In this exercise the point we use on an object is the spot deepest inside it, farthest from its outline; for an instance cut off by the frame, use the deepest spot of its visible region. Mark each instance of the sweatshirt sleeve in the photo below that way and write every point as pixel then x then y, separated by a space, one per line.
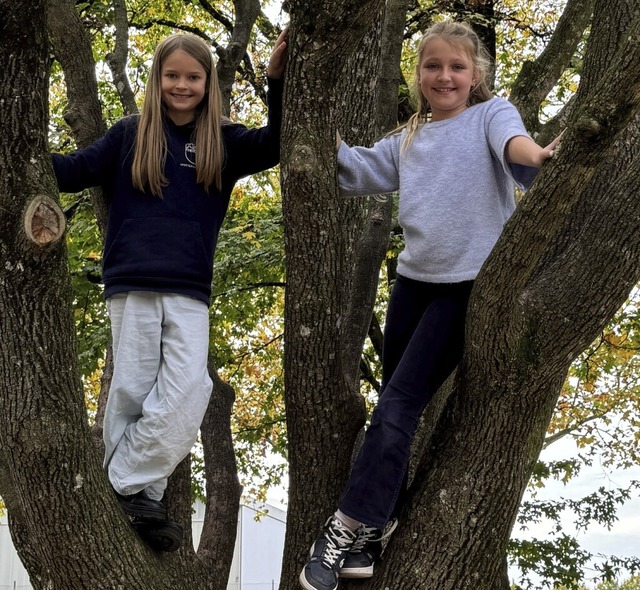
pixel 369 171
pixel 253 150
pixel 504 123
pixel 91 166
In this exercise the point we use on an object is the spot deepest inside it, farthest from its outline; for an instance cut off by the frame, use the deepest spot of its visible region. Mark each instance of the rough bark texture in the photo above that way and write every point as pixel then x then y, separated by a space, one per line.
pixel 537 78
pixel 333 56
pixel 72 48
pixel 50 476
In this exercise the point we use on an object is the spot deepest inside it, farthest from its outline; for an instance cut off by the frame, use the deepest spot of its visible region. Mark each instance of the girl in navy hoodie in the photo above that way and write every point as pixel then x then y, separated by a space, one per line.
pixel 167 177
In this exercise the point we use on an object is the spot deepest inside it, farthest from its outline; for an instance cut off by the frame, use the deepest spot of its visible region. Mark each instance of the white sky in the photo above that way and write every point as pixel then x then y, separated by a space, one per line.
pixel 623 540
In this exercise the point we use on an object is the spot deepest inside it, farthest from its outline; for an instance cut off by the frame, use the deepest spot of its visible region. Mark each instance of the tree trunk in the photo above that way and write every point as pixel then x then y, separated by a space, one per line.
pixel 43 423
pixel 334 48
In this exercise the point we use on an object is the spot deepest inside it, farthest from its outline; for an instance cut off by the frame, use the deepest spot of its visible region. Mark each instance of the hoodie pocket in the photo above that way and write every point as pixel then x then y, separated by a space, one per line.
pixel 160 248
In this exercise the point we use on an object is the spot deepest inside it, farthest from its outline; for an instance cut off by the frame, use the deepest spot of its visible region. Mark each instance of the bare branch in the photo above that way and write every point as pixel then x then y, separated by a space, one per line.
pixel 117 59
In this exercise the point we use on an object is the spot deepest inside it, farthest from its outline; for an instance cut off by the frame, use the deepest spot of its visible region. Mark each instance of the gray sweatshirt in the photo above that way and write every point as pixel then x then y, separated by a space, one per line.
pixel 456 188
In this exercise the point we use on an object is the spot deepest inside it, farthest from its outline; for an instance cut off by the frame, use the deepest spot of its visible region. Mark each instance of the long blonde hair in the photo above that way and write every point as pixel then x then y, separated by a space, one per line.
pixel 150 153
pixel 463 37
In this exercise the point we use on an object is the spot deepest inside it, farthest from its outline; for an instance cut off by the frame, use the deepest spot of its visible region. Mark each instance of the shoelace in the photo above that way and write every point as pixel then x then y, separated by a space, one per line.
pixel 369 533
pixel 339 538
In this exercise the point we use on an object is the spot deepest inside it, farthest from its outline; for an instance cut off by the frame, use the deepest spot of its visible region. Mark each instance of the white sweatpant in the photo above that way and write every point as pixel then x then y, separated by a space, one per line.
pixel 160 387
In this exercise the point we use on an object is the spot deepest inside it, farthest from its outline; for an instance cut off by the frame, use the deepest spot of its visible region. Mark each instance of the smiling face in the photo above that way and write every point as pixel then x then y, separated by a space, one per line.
pixel 445 76
pixel 183 86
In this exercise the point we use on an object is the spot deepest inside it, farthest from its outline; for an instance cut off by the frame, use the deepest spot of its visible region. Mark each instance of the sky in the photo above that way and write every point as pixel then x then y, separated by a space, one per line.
pixel 623 539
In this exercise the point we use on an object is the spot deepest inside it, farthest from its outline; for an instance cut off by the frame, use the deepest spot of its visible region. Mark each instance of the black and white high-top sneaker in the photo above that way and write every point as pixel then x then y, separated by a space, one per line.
pixel 327 556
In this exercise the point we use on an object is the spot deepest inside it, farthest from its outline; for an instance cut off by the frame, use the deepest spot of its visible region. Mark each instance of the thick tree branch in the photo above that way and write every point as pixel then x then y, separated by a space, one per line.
pixel 375 335
pixel 222 485
pixel 373 242
pixel 72 48
pixel 117 60
pixel 231 57
pixel 613 247
pixel 218 15
pixel 537 78
pixel 608 31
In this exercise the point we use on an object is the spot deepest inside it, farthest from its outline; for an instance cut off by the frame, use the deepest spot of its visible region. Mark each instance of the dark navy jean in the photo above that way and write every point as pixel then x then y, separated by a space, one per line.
pixel 423 343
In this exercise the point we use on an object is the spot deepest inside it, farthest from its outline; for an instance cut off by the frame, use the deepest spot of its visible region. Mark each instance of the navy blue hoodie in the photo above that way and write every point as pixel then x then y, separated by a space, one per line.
pixel 167 244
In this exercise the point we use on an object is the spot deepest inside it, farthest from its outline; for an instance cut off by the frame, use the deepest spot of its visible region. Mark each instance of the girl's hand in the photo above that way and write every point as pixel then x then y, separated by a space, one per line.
pixel 547 152
pixel 279 56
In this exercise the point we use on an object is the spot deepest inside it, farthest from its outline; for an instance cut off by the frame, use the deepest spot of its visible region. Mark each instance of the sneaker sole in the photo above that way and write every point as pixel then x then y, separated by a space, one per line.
pixel 356 572
pixel 307 585
pixel 165 536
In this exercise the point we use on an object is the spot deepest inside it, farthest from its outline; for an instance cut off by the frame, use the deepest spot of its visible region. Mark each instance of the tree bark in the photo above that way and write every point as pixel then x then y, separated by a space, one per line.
pixel 543 295
pixel 72 48
pixel 247 12
pixel 117 59
pixel 43 423
pixel 63 513
pixel 372 245
pixel 222 485
pixel 324 409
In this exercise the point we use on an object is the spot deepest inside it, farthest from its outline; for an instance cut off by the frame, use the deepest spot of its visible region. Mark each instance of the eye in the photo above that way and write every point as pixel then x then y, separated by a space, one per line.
pixel 430 66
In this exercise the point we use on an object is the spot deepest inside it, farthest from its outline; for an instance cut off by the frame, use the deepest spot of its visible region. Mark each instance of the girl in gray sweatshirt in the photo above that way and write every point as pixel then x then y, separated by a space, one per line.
pixel 455 166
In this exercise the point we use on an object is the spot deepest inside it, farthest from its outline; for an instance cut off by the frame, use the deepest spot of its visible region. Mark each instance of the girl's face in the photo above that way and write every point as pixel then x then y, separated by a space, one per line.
pixel 183 86
pixel 446 75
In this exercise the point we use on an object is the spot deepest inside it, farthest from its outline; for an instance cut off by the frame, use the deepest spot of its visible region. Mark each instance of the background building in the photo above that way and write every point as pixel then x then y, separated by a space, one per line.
pixel 257 557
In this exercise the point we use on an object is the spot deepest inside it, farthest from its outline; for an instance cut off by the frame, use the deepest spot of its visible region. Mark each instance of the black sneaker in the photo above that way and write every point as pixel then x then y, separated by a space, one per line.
pixel 159 535
pixel 365 551
pixel 327 556
pixel 139 506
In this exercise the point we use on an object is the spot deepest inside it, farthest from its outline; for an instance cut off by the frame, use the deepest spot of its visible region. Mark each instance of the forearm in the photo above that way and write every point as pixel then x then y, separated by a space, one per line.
pixel 523 150
pixel 368 171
